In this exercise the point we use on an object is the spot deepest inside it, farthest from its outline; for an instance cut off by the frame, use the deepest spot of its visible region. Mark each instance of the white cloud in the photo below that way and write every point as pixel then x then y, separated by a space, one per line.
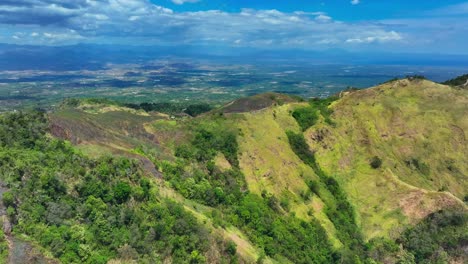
pixel 141 22
pixel 355 2
pixel 181 2
pixel 376 37
pixel 323 18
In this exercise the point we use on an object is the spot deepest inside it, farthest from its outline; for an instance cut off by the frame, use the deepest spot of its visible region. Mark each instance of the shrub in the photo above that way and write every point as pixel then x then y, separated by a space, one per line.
pixel 313 186
pixel 8 199
pixel 231 248
pixel 376 162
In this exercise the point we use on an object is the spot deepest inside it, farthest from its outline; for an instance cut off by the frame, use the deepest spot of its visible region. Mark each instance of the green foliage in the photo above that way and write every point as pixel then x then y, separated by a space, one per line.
pixel 231 248
pixel 8 199
pixel 173 108
pixel 305 117
pixel 323 106
pixel 169 108
pixel 84 210
pixel 3 247
pixel 22 129
pixel 300 147
pixel 308 116
pixel 439 238
pixel 122 192
pixel 207 141
pixel 416 164
pixel 211 187
pixel 440 234
pixel 458 81
pixel 376 162
pixel 383 250
pixel 263 220
pixel 313 186
pixel 198 109
pixel 281 235
pixel 339 210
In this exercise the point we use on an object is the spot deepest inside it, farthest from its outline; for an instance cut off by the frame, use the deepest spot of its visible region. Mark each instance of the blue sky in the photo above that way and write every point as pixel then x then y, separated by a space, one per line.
pixel 396 26
pixel 364 9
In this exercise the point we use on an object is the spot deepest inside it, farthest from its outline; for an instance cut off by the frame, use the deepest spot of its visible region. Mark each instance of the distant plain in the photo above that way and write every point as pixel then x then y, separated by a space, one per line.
pixel 182 80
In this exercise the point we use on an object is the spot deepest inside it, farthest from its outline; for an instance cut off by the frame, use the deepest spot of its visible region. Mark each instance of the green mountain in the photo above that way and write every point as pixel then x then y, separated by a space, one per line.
pixel 369 176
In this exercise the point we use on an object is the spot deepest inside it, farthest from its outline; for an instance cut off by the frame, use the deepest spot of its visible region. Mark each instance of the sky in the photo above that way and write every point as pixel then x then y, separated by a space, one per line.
pixel 397 26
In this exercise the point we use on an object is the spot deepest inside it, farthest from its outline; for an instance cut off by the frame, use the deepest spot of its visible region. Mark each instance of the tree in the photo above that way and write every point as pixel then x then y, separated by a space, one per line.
pixel 122 192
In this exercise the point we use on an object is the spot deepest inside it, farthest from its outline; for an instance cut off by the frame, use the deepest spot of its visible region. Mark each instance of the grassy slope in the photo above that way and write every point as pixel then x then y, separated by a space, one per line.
pixel 270 165
pixel 397 122
pixel 256 102
pixel 101 130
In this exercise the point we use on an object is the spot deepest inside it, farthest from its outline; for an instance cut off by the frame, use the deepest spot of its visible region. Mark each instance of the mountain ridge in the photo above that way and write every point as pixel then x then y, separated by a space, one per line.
pixel 361 171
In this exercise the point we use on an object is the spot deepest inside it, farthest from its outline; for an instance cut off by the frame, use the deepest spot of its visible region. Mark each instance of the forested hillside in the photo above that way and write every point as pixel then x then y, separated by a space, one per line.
pixel 370 176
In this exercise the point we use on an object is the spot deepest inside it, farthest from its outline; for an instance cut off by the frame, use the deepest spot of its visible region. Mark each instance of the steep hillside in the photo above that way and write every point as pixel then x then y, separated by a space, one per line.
pixel 359 177
pixel 270 165
pixel 417 130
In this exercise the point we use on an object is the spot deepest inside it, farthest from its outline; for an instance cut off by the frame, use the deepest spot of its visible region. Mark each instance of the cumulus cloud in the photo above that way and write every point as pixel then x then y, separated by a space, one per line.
pixel 142 22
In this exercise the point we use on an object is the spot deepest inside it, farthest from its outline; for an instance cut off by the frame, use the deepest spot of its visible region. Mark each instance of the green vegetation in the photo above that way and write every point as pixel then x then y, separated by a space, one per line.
pixel 162 107
pixel 376 162
pixel 439 238
pixel 173 108
pixel 417 165
pixel 440 235
pixel 309 115
pixel 90 211
pixel 266 178
pixel 3 247
pixel 195 176
pixel 305 117
pixel 458 81
pixel 209 186
pixel 205 182
pixel 281 235
pixel 198 109
pixel 207 141
pixel 339 210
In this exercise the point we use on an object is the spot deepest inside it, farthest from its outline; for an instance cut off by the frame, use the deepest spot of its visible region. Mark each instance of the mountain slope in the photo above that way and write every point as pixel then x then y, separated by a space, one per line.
pixel 418 130
pixel 329 180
